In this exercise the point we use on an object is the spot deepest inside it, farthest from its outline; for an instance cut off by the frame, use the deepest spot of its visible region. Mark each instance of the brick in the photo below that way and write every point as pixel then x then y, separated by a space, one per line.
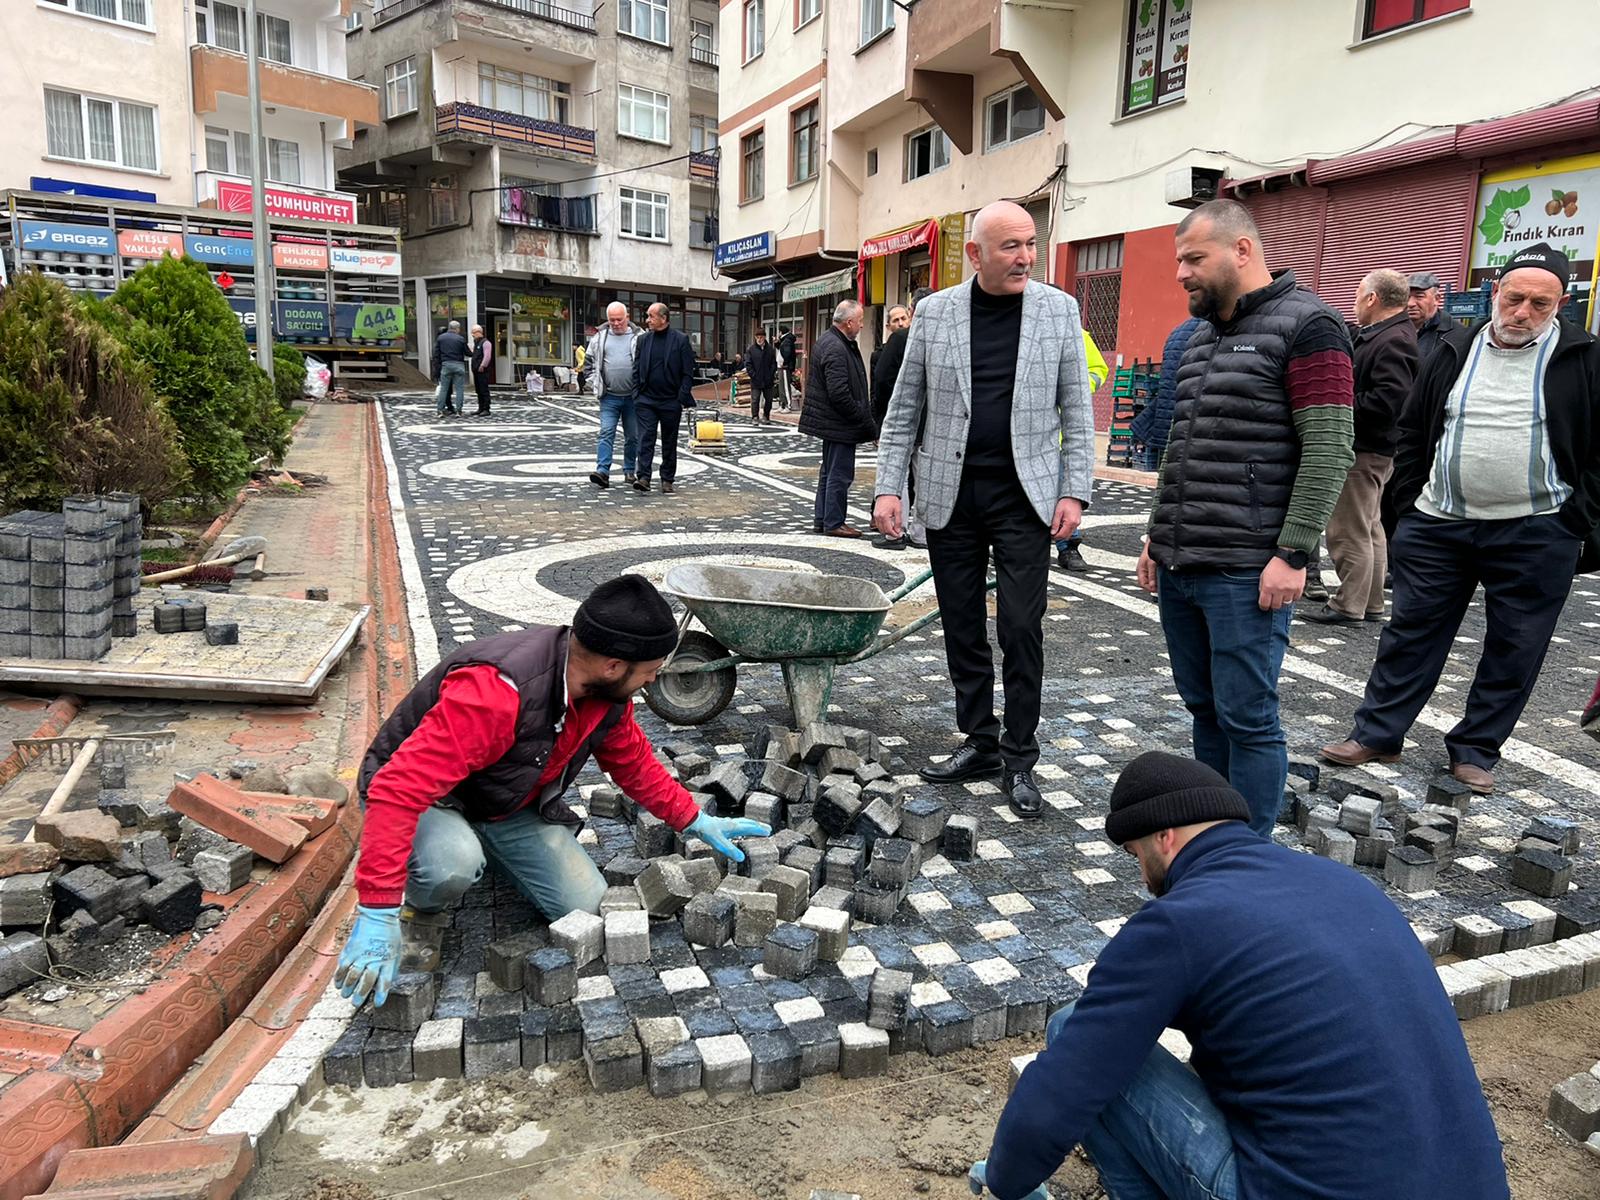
pixel 790 952
pixel 960 840
pixel 792 888
pixel 224 810
pixel 25 899
pixel 436 1050
pixel 90 889
pixel 832 928
pixel 1575 1106
pixel 27 858
pixel 1409 869
pixel 86 837
pixel 314 814
pixel 1541 872
pixel 580 934
pixel 615 1064
pixel 224 870
pixel 408 1004
pixel 627 937
pixel 24 960
pixel 492 1045
pixel 172 905
pixel 755 916
pixel 725 1063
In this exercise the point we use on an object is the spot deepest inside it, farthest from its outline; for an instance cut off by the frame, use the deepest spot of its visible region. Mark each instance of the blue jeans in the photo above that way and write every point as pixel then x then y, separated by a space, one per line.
pixel 1226 652
pixel 834 477
pixel 546 863
pixel 612 408
pixel 1162 1138
pixel 452 376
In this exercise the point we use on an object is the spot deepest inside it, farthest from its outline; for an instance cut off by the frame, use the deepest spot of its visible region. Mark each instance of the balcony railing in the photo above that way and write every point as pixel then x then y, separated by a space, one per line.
pixel 531 209
pixel 470 120
pixel 699 54
pixel 570 17
pixel 703 164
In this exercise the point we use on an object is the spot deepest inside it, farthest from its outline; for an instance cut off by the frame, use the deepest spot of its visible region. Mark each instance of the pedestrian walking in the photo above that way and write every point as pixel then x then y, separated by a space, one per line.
pixel 474 762
pixel 1069 550
pixel 1260 443
pixel 761 365
pixel 994 378
pixel 1155 419
pixel 1385 364
pixel 1425 307
pixel 787 363
pixel 450 357
pixel 1496 483
pixel 839 412
pixel 482 368
pixel 1368 1091
pixel 664 364
pixel 611 364
pixel 886 363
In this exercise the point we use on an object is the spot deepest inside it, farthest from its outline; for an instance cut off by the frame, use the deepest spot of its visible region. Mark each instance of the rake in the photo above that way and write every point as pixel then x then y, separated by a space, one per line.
pixel 76 753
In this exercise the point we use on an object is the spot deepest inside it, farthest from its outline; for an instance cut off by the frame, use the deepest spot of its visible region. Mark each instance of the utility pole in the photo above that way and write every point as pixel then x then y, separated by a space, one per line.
pixel 258 200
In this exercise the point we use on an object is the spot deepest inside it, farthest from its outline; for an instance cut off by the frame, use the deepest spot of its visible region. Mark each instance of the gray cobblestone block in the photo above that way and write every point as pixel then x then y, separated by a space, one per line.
pixel 46 645
pixel 119 805
pixel 708 919
pixel 615 1064
pixel 1336 844
pixel 894 862
pixel 889 998
pixel 1359 815
pixel 194 618
pixel 704 871
pixel 817 738
pixel 436 1050
pixel 837 810
pixel 1560 830
pixel 172 905
pixel 1448 819
pixel 386 1059
pixel 657 1035
pixel 1430 838
pixel 675 1071
pixel 960 841
pixel 563 1034
pixel 691 767
pixel 755 916
pixel 24 960
pixel 837 760
pixel 580 934
pixel 818 1040
pixel 1449 793
pixel 504 958
pixel 156 814
pixel 534 1027
pixel 550 977
pixel 766 808
pixel 619 899
pixel 880 819
pixel 1342 786
pixel 1025 1003
pixel 922 818
pixel 774 1062
pixel 25 899
pixel 605 800
pixel 737 885
pixel 627 936
pixel 224 870
pixel 87 649
pixel 45 576
pixel 341 1065
pixel 1541 923
pixel 501 1004
pixel 792 887
pixel 491 1045
pixel 863 1051
pixel 1575 1106
pixel 167 618
pixel 782 781
pixel 1308 769
pixel 946 1028
pixel 832 928
pixel 194 837
pixel 1541 872
pixel 1374 851
pixel 1477 936
pixel 760 857
pixel 725 1063
pixel 874 903
pixel 90 889
pixel 222 633
pixel 1533 843
pixel 1410 869
pixel 623 869
pixel 803 856
pixel 728 783
pixel 409 1003
pixel 129 889
pixel 86 610
pixel 807 827
pixel 1577 914
pixel 842 866
pixel 790 952
pixel 988 1012
pixel 1321 816
pixel 663 888
pixel 652 837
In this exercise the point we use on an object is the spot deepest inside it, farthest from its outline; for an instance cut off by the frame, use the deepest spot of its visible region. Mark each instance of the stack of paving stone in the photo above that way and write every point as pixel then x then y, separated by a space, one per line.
pixel 68 579
pixel 1543 860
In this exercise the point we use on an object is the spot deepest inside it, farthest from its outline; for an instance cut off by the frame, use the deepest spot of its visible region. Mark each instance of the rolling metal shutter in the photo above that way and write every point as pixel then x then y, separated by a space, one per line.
pixel 1291 223
pixel 1416 220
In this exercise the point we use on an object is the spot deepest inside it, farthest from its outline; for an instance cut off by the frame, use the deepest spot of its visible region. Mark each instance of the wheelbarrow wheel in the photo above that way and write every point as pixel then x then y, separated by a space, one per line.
pixel 693 697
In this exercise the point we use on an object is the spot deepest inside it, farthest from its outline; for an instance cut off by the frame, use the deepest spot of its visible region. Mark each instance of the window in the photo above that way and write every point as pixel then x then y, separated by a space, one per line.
pixel 806 11
pixel 755 30
pixel 275 39
pixel 753 166
pixel 702 43
pixel 283 161
pixel 124 12
pixel 222 25
pixel 803 129
pixel 644 214
pixel 1097 283
pixel 219 144
pixel 645 19
pixel 642 113
pixel 241 154
pixel 526 95
pixel 1012 116
pixel 1385 16
pixel 444 201
pixel 1156 54
pixel 540 205
pixel 927 151
pixel 400 88
pixel 872 161
pixel 877 18
pixel 702 133
pixel 91 129
pixel 703 223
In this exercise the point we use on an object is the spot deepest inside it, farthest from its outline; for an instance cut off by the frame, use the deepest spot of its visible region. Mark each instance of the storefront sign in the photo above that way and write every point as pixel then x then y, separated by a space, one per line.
pixel 897 241
pixel 952 245
pixel 1174 72
pixel 746 249
pixel 336 208
pixel 551 308
pixel 823 285
pixel 299 256
pixel 364 262
pixel 73 239
pixel 245 311
pixel 209 249
pixel 1156 53
pixel 764 286
pixel 301 318
pixel 368 322
pixel 149 243
pixel 1556 202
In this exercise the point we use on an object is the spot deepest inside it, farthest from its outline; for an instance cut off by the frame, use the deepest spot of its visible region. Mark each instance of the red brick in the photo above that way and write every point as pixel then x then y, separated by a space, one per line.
pixel 224 810
pixel 202 1168
pixel 312 813
pixel 27 858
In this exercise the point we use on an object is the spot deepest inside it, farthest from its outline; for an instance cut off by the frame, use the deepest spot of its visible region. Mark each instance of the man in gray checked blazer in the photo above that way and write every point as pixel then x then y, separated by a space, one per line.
pixel 995 368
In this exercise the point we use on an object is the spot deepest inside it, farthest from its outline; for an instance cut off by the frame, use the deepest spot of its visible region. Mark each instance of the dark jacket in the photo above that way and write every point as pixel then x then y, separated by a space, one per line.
pixel 885 370
pixel 836 406
pixel 1233 451
pixel 761 361
pixel 449 347
pixel 482 356
pixel 1385 365
pixel 663 366
pixel 786 348
pixel 1153 422
pixel 536 661
pixel 1572 416
pixel 1432 333
pixel 1273 964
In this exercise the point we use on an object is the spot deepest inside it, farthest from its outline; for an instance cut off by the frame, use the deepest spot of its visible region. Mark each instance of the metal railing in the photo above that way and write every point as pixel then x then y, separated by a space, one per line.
pixel 529 209
pixel 703 164
pixel 698 54
pixel 473 120
pixel 569 17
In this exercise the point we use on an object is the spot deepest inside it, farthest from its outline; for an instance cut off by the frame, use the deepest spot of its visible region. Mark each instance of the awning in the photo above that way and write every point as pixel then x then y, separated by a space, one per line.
pixel 896 241
pixel 822 285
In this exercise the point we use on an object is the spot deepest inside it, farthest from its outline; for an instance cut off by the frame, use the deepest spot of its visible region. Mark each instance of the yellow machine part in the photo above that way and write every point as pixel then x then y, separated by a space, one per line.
pixel 708 431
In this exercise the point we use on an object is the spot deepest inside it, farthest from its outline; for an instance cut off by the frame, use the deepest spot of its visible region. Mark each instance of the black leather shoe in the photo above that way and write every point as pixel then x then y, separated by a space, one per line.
pixel 1023 794
pixel 966 763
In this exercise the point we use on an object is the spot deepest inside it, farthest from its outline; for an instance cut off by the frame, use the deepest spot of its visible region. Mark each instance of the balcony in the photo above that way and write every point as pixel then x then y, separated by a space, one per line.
pixel 703 164
pixel 225 73
pixel 570 17
pixel 527 208
pixel 703 56
pixel 462 122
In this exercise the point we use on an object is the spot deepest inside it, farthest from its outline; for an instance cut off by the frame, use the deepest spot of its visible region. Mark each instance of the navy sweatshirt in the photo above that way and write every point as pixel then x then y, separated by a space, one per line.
pixel 1318 1026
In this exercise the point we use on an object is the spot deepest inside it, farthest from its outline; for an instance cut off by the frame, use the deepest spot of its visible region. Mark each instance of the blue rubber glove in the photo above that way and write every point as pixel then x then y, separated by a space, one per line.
pixel 371 956
pixel 977 1180
pixel 718 830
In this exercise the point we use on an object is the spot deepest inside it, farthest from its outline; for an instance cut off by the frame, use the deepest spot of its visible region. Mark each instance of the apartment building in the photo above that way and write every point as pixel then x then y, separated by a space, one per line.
pixel 543 160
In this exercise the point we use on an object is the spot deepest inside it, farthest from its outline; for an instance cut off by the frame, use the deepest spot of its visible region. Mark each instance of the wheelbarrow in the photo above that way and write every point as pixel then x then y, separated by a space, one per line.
pixel 807 623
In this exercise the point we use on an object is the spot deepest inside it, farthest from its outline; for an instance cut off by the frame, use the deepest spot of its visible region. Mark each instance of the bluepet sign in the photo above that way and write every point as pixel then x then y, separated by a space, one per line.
pixel 207 249
pixel 74 239
pixel 746 249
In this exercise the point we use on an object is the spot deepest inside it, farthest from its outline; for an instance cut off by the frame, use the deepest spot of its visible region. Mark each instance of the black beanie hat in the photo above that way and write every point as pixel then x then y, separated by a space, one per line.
pixel 1162 791
pixel 626 618
pixel 1543 257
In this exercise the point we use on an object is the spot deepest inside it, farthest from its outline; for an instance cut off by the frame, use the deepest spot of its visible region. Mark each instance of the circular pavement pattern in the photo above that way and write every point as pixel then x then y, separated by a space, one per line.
pixel 532 468
pixel 496 429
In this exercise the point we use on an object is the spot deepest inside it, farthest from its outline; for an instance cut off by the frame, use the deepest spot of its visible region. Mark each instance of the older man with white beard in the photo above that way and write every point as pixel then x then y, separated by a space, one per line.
pixel 1496 482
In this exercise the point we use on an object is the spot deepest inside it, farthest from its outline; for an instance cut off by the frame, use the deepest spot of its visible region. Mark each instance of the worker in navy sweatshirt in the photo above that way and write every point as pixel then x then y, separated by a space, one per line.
pixel 1327 1062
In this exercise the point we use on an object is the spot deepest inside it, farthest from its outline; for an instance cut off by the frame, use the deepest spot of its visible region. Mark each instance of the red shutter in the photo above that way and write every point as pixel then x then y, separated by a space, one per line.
pixel 1417 220
pixel 1291 224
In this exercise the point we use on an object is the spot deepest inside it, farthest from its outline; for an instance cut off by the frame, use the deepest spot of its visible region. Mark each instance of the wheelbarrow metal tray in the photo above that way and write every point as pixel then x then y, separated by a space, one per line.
pixel 773 615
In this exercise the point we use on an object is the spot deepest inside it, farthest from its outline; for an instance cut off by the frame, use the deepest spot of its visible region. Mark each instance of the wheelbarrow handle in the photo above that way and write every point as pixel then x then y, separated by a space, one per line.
pixel 909 586
pixel 683 627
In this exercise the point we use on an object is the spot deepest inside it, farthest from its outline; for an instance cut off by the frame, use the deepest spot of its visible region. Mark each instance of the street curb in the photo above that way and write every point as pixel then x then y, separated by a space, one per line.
pixel 57 717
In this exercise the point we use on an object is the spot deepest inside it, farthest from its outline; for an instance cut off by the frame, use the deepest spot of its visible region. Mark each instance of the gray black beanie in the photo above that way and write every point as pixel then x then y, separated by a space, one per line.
pixel 1159 791
pixel 626 618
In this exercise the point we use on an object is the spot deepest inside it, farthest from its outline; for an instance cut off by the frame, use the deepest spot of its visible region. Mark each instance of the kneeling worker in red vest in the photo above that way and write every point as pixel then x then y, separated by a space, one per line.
pixel 472 766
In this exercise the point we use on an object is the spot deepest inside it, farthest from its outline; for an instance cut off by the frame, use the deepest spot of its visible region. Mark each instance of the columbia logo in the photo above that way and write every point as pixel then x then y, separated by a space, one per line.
pixel 1244 348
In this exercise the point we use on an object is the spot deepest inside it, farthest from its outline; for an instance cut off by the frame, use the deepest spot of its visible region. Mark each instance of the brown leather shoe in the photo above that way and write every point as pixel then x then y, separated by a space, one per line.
pixel 1475 778
pixel 843 531
pixel 666 486
pixel 1353 754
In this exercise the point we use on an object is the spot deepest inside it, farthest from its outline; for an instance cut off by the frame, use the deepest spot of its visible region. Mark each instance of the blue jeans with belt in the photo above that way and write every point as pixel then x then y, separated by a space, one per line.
pixel 544 860
pixel 615 407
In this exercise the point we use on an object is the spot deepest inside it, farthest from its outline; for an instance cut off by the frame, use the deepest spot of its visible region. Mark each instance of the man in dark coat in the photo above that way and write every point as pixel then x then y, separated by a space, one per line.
pixel 886 360
pixel 786 366
pixel 838 411
pixel 664 368
pixel 761 364
pixel 450 357
pixel 1155 419
pixel 1425 307
pixel 482 368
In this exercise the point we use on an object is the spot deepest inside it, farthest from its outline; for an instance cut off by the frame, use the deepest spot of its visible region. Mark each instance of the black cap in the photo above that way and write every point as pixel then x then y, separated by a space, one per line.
pixel 1159 791
pixel 1543 257
pixel 626 618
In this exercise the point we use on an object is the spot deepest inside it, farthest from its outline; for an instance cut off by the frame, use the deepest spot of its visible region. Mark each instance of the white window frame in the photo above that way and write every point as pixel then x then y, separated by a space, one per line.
pixel 877 19
pixel 263 21
pixel 205 19
pixel 557 92
pixel 631 201
pixel 816 144
pixel 702 129
pixel 1005 98
pixel 216 135
pixel 120 7
pixel 116 162
pixel 393 79
pixel 652 14
pixel 807 11
pixel 754 15
pixel 657 103
pixel 936 137
pixel 278 152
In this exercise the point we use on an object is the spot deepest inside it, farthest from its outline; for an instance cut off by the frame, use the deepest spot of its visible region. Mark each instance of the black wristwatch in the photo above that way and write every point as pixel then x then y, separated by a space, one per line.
pixel 1297 559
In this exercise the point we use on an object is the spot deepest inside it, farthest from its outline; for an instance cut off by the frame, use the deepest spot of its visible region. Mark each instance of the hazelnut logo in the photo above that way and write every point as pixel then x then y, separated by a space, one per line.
pixel 1563 203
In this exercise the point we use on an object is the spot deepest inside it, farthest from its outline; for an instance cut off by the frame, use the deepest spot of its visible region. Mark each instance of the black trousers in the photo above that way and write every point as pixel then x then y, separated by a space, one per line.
pixel 757 394
pixel 481 383
pixel 1525 567
pixel 993 513
pixel 664 415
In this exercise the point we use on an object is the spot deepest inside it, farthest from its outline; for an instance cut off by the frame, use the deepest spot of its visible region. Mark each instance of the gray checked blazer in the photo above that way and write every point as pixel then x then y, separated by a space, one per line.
pixel 1052 411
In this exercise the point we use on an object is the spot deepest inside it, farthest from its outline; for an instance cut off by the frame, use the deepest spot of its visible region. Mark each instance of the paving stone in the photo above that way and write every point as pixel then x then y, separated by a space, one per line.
pixel 960 840
pixel 894 862
pixel 705 872
pixel 675 1071
pixel 790 952
pixel 1563 831
pixel 760 857
pixel 708 919
pixel 889 999
pixel 25 899
pixel 818 1040
pixel 1477 936
pixel 563 1034
pixel 863 1051
pixel 409 1003
pixel 1575 1106
pixel 624 869
pixel 1541 872
pixel 581 935
pixel 436 1050
pixel 875 903
pixel 755 916
pixel 766 808
pixel 534 1027
pixel 1577 914
pixel 664 889
pixel 842 866
pixel 1409 869
pixel 1343 786
pixel 1333 843
pixel 170 906
pixel 922 819
pixel 86 837
pixel 90 889
pixel 24 960
pixel 341 1065
pixel 492 1045
pixel 652 837
pixel 774 1062
pixel 224 870
pixel 1434 841
pixel 1025 1005
pixel 550 977
pixel 1358 815
pixel 1541 923
pixel 1449 793
pixel 615 1064
pixel 837 809
pixel 619 899
pixel 505 957
pixel 832 928
pixel 792 887
pixel 946 1028
pixel 725 1063
pixel 194 837
pixel 728 783
pixel 817 738
pixel 606 800
pixel 1373 851
pixel 627 936
pixel 781 781
pixel 386 1058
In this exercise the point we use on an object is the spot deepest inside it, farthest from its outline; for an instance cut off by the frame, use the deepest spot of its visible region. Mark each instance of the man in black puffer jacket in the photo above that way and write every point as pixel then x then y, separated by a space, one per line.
pixel 837 411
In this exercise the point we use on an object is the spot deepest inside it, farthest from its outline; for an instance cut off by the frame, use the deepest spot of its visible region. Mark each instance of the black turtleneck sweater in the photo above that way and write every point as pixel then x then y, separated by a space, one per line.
pixel 996 331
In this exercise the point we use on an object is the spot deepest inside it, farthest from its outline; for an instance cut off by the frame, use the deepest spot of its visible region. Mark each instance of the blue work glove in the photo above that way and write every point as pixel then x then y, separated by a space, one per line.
pixel 977 1180
pixel 371 956
pixel 718 830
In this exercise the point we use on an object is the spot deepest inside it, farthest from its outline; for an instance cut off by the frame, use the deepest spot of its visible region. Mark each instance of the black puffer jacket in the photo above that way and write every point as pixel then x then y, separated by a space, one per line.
pixel 836 406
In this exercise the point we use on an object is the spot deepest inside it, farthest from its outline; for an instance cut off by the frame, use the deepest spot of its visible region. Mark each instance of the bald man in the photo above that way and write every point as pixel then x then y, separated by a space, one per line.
pixel 994 375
